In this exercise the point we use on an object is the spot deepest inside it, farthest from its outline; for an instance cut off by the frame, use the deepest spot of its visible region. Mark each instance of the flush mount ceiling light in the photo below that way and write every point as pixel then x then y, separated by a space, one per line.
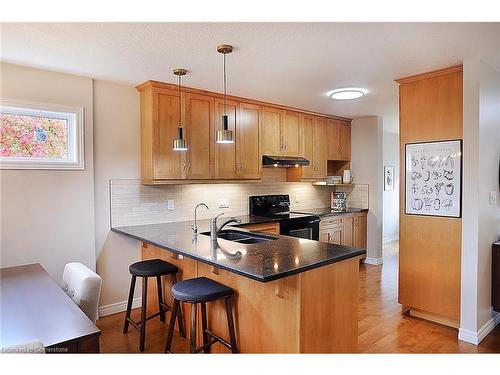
pixel 180 144
pixel 347 93
pixel 225 135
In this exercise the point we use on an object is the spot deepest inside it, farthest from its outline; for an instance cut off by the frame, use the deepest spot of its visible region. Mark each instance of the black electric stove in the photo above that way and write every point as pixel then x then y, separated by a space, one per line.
pixel 295 224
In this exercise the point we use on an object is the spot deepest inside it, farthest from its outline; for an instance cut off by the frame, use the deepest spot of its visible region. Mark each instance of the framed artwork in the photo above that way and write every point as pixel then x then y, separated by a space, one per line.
pixel 433 178
pixel 388 178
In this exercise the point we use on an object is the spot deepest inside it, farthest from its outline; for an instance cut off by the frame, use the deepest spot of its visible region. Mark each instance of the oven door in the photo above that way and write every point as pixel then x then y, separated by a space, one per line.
pixel 303 228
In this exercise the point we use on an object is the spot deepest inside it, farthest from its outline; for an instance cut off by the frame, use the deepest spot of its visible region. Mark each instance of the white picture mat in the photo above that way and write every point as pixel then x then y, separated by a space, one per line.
pixel 433 178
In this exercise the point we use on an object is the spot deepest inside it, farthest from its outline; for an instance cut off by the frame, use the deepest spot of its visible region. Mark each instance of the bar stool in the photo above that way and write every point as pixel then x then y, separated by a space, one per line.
pixel 150 268
pixel 201 290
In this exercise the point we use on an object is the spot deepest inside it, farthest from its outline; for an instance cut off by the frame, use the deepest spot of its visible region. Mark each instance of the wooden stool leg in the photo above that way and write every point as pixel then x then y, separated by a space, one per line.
pixel 192 335
pixel 160 299
pixel 230 324
pixel 171 325
pixel 129 303
pixel 143 313
pixel 180 321
pixel 204 327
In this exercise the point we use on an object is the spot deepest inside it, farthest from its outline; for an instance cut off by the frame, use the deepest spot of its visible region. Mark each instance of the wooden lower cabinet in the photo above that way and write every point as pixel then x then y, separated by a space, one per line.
pixel 271 228
pixel 347 230
pixel 312 312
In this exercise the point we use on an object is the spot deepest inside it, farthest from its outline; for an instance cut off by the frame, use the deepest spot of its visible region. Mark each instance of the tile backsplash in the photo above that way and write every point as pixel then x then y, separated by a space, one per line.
pixel 133 203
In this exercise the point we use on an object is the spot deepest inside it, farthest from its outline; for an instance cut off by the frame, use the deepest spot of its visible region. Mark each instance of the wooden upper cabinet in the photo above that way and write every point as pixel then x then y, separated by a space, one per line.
pixel 199 132
pixel 290 134
pixel 307 145
pixel 320 142
pixel 345 140
pixel 271 131
pixel 339 140
pixel 248 150
pixel 167 163
pixel 225 153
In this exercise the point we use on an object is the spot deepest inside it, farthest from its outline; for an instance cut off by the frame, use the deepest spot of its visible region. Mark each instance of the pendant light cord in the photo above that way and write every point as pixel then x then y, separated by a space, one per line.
pixel 225 85
pixel 180 104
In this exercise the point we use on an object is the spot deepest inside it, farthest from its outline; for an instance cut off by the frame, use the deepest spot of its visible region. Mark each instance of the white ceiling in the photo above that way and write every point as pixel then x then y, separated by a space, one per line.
pixel 288 63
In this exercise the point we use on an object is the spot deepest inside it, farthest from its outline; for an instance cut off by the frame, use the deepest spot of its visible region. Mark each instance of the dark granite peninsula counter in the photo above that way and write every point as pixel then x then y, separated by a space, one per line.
pixel 291 295
pixel 265 261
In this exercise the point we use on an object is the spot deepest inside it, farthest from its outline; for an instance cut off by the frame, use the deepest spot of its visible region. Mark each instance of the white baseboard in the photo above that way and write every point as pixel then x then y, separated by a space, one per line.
pixel 373 261
pixel 118 307
pixel 391 239
pixel 476 337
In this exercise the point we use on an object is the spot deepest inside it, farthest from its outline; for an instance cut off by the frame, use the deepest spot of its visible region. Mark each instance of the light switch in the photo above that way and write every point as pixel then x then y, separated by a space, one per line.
pixel 493 198
pixel 170 205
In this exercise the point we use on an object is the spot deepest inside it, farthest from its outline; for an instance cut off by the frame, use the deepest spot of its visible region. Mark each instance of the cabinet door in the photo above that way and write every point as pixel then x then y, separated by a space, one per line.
pixel 271 228
pixel 249 161
pixel 320 135
pixel 333 143
pixel 225 153
pixel 337 235
pixel 290 133
pixel 199 132
pixel 167 163
pixel 359 231
pixel 271 131
pixel 307 142
pixel 345 140
pixel 324 236
pixel 348 238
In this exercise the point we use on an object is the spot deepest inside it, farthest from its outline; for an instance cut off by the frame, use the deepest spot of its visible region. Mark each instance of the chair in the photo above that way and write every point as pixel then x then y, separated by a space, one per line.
pixel 84 288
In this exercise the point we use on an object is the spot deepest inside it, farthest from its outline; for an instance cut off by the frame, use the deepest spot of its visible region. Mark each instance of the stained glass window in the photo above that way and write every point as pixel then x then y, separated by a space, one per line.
pixel 36 138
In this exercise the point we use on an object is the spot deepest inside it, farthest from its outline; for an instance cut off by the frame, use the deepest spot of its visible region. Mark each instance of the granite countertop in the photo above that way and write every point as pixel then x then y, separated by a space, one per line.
pixel 264 261
pixel 327 211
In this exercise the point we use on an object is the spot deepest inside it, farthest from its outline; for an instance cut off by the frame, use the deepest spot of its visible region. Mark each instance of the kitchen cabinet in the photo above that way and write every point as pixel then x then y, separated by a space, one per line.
pixel 225 153
pixel 199 130
pixel 271 131
pixel 290 134
pixel 319 145
pixel 339 140
pixel 248 152
pixel 281 132
pixel 344 229
pixel 271 228
pixel 260 129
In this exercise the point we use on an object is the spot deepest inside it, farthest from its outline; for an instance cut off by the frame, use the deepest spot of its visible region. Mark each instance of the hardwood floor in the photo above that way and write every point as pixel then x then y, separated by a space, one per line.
pixel 383 326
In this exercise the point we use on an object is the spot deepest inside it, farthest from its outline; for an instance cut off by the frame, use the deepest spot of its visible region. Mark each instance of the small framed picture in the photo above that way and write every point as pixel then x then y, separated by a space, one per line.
pixel 388 178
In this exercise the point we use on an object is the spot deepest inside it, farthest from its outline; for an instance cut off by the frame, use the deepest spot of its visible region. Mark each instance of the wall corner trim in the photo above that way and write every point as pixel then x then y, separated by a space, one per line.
pixel 373 261
pixel 118 307
pixel 476 337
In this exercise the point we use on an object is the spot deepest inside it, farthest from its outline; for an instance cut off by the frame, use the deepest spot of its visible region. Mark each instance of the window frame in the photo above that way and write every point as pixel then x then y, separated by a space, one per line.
pixel 76 135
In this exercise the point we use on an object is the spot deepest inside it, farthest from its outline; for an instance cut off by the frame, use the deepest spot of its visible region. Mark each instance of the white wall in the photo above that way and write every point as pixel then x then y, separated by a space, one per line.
pixel 481 220
pixel 390 227
pixel 367 168
pixel 47 216
pixel 117 155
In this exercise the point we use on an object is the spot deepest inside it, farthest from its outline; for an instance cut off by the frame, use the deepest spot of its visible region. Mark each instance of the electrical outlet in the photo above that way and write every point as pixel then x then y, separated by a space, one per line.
pixel 223 203
pixel 170 205
pixel 493 198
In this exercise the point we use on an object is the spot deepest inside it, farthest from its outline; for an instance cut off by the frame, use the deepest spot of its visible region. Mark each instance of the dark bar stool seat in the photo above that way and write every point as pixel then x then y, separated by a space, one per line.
pixel 150 268
pixel 201 290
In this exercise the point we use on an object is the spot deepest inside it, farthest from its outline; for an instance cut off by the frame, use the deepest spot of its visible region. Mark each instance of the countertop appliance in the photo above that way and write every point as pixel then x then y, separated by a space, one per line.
pixel 339 202
pixel 294 224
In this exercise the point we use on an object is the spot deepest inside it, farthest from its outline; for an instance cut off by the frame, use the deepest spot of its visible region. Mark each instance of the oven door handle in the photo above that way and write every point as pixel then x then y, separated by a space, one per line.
pixel 314 221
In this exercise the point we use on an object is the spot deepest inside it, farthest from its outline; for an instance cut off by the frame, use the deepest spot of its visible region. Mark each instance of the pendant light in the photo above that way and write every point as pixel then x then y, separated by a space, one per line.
pixel 225 135
pixel 180 144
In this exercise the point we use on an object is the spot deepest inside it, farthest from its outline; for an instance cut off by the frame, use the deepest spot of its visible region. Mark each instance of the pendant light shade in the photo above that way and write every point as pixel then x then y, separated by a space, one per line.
pixel 225 135
pixel 180 143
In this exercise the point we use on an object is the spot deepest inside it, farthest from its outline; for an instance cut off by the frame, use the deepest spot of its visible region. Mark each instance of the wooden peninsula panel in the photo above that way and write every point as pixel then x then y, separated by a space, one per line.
pixel 312 312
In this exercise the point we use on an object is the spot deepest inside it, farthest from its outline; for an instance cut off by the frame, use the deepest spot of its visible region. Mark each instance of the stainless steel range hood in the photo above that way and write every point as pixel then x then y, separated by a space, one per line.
pixel 283 161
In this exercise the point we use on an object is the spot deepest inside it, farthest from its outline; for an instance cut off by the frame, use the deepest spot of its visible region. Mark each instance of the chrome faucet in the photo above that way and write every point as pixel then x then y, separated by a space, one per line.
pixel 194 227
pixel 214 230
